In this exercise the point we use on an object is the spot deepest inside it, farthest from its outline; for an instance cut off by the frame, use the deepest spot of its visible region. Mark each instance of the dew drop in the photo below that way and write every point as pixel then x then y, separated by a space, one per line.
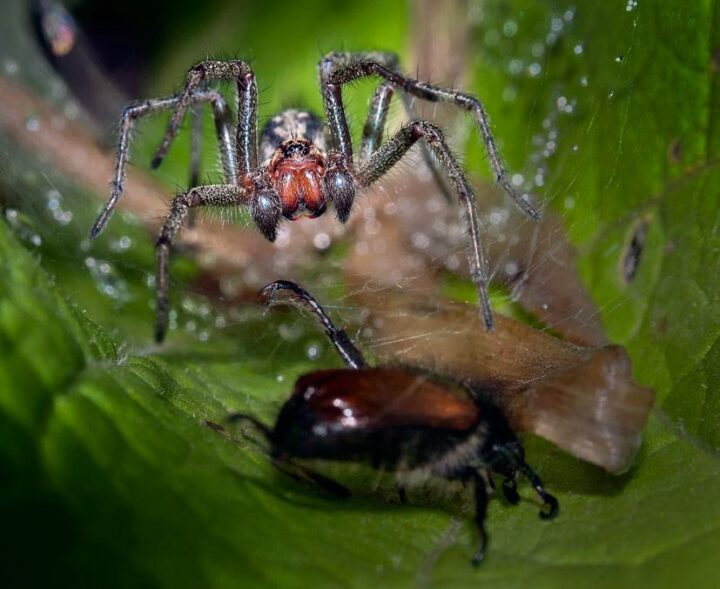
pixel 534 69
pixel 420 240
pixel 515 66
pixel 11 67
pixel 321 241
pixel 510 28
pixel 313 351
pixel 511 268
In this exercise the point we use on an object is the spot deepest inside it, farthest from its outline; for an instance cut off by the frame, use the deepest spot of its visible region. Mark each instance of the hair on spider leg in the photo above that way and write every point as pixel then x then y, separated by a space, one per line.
pixel 299 166
pixel 416 423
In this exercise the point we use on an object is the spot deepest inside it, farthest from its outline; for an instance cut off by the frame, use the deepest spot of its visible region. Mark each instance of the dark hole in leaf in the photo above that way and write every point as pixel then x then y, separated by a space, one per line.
pixel 675 151
pixel 633 252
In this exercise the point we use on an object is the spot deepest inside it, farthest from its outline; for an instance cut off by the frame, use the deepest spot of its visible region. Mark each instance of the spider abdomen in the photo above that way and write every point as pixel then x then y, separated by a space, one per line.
pixel 291 124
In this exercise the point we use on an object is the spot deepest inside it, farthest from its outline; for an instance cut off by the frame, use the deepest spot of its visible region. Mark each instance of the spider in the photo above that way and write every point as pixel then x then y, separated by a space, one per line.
pixel 303 164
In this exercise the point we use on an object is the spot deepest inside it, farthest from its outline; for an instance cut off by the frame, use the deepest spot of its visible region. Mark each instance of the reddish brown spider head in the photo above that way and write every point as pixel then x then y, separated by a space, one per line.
pixel 296 170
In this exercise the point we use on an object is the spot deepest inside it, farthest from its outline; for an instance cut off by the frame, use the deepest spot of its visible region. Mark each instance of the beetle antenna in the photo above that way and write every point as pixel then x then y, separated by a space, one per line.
pixel 551 506
pixel 261 427
pixel 290 468
pixel 352 357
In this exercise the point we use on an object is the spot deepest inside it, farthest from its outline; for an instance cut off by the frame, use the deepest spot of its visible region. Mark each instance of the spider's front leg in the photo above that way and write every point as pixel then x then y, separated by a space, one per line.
pixel 390 153
pixel 214 195
pixel 138 110
pixel 246 127
pixel 339 69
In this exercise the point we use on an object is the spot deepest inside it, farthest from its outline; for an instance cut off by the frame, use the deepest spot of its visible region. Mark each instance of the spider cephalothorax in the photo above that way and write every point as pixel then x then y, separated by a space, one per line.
pixel 304 166
pixel 292 148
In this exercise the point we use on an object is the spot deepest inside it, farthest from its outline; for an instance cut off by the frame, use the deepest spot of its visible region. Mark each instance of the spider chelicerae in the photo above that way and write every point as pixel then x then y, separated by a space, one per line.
pixel 302 164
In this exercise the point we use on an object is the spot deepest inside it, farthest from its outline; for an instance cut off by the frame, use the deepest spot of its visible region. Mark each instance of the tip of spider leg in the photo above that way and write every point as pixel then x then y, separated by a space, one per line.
pixel 478 558
pixel 534 214
pixel 156 161
pixel 159 335
pixel 99 225
pixel 487 317
pixel 529 210
pixel 95 231
pixel 267 294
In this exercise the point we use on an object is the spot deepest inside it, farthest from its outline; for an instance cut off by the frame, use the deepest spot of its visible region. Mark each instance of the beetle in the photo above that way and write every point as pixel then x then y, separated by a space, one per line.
pixel 401 418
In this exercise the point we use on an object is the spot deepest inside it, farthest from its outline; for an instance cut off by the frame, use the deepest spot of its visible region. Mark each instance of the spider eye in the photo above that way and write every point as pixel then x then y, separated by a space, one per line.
pixel 296 149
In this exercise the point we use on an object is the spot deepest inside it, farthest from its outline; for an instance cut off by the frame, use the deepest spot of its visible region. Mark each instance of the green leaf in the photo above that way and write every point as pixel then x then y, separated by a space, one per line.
pixel 113 471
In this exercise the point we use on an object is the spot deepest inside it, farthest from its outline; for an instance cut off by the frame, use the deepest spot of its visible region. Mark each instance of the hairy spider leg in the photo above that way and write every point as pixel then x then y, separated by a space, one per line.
pixel 246 98
pixel 377 118
pixel 395 148
pixel 349 353
pixel 338 69
pixel 195 146
pixel 195 154
pixel 212 195
pixel 138 110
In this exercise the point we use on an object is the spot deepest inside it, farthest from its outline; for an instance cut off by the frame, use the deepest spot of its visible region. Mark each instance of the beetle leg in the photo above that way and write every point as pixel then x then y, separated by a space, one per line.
pixel 481 500
pixel 303 473
pixel 510 490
